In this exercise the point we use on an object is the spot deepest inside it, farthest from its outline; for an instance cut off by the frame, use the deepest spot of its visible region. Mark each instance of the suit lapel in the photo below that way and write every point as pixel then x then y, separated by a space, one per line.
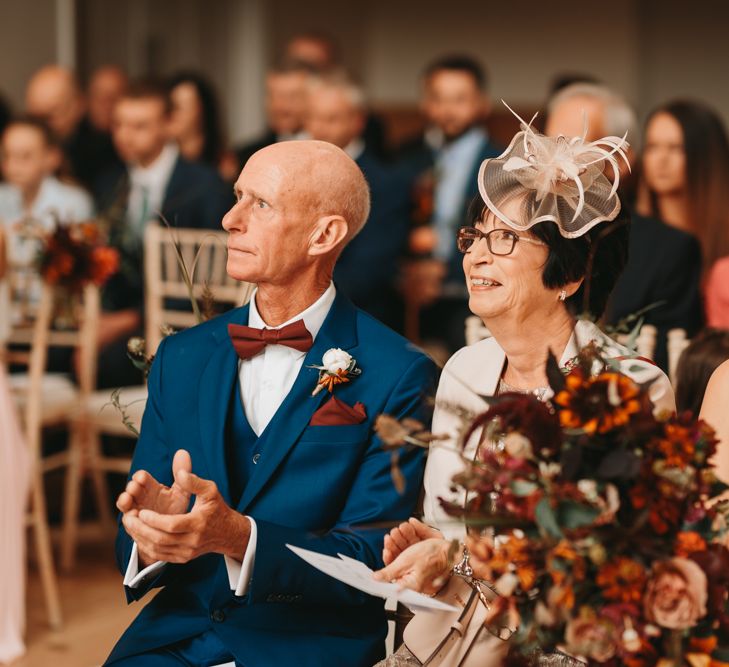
pixel 297 409
pixel 216 387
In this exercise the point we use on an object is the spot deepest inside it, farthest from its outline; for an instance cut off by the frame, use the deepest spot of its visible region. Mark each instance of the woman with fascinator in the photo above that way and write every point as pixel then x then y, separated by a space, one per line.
pixel 546 242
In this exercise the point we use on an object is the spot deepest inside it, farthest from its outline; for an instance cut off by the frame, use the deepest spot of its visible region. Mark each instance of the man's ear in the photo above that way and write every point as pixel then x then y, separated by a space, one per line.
pixel 327 234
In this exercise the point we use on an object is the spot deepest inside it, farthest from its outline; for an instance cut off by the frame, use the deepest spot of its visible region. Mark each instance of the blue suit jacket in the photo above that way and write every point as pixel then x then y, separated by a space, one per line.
pixel 312 487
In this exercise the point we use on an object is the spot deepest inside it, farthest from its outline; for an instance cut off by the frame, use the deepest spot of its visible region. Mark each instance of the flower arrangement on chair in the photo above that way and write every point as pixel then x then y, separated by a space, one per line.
pixel 75 255
pixel 595 520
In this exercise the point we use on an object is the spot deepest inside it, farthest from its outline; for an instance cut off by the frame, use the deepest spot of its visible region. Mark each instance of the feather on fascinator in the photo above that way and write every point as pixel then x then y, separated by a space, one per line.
pixel 560 179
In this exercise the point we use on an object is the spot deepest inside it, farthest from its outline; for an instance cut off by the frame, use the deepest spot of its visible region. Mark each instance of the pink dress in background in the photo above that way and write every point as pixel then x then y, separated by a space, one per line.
pixel 717 295
pixel 14 475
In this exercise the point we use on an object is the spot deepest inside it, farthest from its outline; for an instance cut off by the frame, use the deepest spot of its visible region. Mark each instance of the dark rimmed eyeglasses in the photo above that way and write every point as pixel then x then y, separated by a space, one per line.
pixel 499 241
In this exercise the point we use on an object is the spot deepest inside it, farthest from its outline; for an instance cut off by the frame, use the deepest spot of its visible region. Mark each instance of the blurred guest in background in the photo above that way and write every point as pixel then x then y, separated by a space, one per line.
pixel 685 171
pixel 314 50
pixel 32 199
pixel 286 97
pixel 154 182
pixel 195 122
pixel 320 54
pixel 445 162
pixel 53 94
pixel 706 352
pixel 367 268
pixel 664 263
pixel 106 85
pixel 564 79
pixel 29 155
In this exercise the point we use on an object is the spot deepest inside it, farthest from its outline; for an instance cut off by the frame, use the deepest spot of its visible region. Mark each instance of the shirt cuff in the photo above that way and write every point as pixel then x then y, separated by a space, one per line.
pixel 133 577
pixel 239 574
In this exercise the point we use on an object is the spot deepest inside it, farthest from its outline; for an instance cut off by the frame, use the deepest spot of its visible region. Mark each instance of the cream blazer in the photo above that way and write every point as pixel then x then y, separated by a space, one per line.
pixel 474 371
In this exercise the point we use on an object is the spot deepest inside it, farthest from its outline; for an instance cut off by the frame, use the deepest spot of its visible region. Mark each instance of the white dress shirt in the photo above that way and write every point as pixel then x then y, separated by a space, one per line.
pixel 265 381
pixel 147 188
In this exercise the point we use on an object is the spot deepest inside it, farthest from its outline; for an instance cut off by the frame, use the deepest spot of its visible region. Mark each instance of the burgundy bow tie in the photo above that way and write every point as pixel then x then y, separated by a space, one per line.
pixel 248 341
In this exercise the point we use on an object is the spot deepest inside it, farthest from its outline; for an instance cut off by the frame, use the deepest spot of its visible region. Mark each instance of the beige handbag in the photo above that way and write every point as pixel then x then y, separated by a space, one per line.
pixel 462 638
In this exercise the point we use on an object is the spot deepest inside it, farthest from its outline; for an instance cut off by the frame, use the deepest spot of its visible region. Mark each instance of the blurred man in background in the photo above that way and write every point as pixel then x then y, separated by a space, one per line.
pixel 368 267
pixel 54 95
pixel 106 86
pixel 154 182
pixel 664 263
pixel 286 97
pixel 444 161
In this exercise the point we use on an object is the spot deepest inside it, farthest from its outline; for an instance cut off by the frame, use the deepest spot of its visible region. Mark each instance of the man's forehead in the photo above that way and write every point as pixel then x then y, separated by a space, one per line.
pixel 262 171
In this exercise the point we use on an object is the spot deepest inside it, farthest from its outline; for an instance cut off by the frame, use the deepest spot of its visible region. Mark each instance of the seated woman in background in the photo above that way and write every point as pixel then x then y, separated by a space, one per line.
pixel 706 352
pixel 532 248
pixel 685 171
pixel 195 123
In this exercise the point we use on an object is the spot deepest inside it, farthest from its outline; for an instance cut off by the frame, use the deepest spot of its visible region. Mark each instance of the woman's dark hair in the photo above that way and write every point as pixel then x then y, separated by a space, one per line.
pixel 598 257
pixel 706 352
pixel 707 173
pixel 211 127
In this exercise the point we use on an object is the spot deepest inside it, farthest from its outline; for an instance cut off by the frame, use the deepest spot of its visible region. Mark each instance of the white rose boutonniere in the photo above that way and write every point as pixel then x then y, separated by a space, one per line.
pixel 337 367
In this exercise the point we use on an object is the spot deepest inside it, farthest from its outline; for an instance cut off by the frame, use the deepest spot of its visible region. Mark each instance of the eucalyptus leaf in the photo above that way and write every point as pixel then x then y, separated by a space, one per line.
pixel 546 519
pixel 575 515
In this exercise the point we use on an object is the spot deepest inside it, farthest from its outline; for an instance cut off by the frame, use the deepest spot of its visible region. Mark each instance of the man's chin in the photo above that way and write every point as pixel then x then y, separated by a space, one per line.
pixel 243 274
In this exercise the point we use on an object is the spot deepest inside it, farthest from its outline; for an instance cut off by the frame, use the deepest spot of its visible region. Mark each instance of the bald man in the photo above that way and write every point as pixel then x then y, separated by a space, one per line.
pixel 53 94
pixel 239 456
pixel 106 86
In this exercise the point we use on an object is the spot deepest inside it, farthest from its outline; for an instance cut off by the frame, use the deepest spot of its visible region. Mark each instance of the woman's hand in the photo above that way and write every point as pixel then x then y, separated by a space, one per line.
pixel 422 567
pixel 405 535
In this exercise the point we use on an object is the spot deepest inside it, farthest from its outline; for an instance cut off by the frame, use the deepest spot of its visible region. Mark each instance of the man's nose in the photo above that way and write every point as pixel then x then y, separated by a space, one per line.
pixel 233 219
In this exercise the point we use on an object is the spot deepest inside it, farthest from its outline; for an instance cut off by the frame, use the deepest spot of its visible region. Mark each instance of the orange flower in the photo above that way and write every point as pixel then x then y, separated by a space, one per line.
pixel 622 579
pixel 688 542
pixel 576 565
pixel 105 262
pixel 677 446
pixel 597 404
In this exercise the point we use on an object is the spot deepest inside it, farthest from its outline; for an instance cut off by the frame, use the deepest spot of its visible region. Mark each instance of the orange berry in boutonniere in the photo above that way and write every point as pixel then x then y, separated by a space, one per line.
pixel 338 367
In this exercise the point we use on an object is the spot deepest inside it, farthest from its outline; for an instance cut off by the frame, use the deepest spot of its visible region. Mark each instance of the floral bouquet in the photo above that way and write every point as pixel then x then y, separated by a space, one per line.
pixel 74 255
pixel 595 522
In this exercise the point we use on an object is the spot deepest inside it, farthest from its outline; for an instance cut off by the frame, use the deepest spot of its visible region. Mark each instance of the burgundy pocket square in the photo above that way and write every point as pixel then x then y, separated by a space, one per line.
pixel 337 413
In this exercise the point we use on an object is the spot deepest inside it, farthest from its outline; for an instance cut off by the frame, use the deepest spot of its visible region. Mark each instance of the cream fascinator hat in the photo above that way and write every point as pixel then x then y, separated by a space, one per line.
pixel 561 179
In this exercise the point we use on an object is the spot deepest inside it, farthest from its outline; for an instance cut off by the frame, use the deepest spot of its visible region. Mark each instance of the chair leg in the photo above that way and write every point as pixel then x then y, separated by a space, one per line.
pixel 71 501
pixel 45 553
pixel 98 477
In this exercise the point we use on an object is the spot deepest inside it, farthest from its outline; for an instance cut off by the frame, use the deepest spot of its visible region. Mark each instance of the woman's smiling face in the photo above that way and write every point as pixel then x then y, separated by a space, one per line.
pixel 506 284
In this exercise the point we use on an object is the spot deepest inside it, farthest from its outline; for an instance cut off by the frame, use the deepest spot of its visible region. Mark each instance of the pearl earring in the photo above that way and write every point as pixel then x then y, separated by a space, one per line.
pixel 563 295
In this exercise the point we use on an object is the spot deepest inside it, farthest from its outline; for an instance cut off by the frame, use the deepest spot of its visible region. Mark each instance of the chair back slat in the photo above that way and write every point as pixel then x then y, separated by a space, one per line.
pixel 205 256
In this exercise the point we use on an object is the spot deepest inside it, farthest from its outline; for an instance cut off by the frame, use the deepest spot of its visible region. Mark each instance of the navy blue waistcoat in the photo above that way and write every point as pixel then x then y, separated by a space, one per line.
pixel 243 448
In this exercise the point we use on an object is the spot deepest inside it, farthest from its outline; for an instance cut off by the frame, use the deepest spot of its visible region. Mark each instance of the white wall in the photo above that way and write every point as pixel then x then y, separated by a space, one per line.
pixel 27 41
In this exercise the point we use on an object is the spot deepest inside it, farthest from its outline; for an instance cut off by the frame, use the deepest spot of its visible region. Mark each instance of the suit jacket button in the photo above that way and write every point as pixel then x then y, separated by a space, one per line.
pixel 255 458
pixel 218 616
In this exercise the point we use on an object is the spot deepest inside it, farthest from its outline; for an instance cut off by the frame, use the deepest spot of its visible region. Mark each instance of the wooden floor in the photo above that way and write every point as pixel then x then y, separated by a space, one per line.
pixel 95 613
